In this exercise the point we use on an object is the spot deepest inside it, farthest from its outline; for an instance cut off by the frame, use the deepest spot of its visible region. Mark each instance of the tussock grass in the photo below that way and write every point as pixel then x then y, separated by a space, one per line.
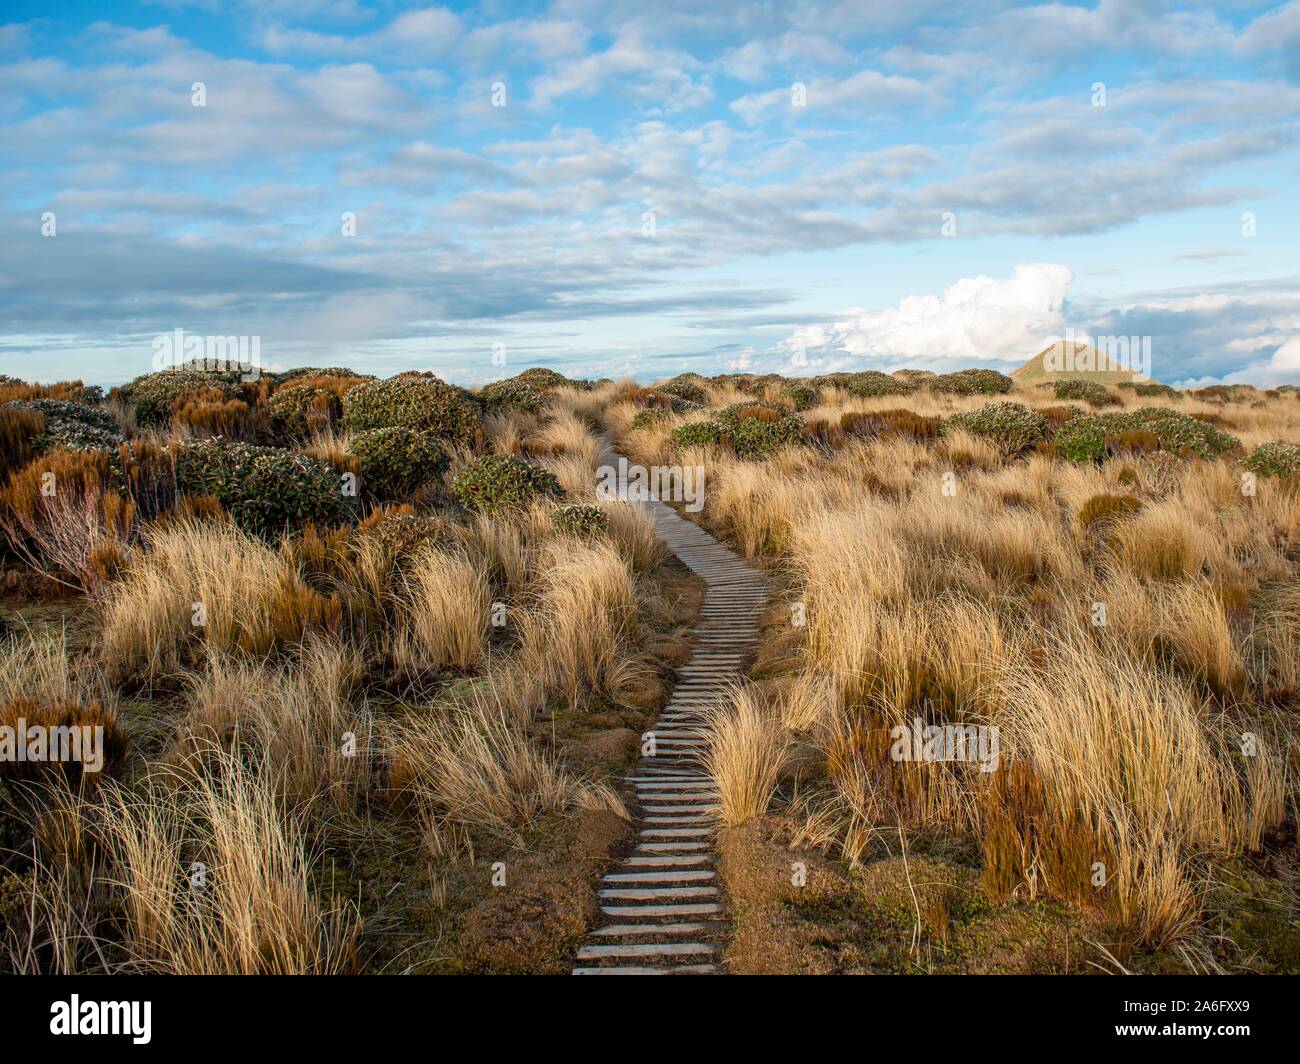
pixel 748 748
pixel 445 614
pixel 578 633
pixel 250 907
pixel 475 767
pixel 296 718
pixel 205 585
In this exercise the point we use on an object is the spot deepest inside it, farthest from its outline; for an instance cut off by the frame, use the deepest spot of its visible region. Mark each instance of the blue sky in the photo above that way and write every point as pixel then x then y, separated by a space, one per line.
pixel 635 188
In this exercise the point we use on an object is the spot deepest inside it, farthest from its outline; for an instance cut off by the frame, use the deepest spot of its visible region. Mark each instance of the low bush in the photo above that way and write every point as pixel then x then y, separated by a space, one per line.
pixel 412 402
pixel 695 434
pixel 395 461
pixel 755 431
pixel 651 415
pixel 581 521
pixel 800 396
pixel 401 531
pixel 154 397
pixel 1012 427
pixel 544 380
pixel 1151 389
pixel 309 404
pixel 266 489
pixel 1275 459
pixel 1090 392
pixel 684 389
pixel 872 384
pixel 1091 438
pixel 970 382
pixel 67 425
pixel 511 395
pixel 496 483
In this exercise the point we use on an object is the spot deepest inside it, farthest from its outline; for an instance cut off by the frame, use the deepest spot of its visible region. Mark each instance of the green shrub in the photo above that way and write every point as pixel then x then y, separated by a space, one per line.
pixel 1091 438
pixel 1090 392
pixel 497 483
pixel 754 439
pixel 651 415
pixel 872 384
pixel 154 397
pixel 759 385
pixel 684 389
pixel 1275 459
pixel 756 431
pixel 414 402
pixel 544 380
pixel 298 411
pixel 1013 427
pixel 314 371
pixel 581 521
pixel 71 426
pixel 403 533
pixel 266 489
pixel 1155 388
pixel 695 434
pixel 511 395
pixel 970 382
pixel 396 460
pixel 801 396
pixel 831 380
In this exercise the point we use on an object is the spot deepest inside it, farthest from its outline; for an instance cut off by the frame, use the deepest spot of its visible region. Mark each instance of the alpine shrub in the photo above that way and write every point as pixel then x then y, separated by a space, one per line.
pixel 266 489
pixel 413 402
pixel 1012 427
pixel 498 483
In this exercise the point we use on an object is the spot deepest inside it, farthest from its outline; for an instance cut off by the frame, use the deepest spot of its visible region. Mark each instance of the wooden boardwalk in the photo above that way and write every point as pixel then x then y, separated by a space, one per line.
pixel 662 911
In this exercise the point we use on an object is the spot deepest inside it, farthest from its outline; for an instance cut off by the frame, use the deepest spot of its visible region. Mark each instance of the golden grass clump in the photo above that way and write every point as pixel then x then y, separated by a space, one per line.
pixel 444 613
pixel 205 587
pixel 296 719
pixel 578 634
pixel 216 878
pixel 473 765
pixel 748 748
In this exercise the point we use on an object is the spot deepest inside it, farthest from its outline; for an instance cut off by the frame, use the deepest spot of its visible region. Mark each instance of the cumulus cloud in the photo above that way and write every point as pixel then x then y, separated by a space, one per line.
pixel 975 320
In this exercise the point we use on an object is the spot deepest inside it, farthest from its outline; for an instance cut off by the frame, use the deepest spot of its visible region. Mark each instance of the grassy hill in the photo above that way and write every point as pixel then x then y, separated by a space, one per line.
pixel 1072 353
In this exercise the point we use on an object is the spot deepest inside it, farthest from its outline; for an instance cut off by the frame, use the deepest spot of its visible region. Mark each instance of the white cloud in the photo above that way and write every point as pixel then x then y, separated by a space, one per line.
pixel 975 321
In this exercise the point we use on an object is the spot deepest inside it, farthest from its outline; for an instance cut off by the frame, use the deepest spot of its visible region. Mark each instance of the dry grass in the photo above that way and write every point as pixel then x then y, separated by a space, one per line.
pixel 209 586
pixel 748 748
pixel 445 614
pixel 578 634
pixel 244 903
pixel 475 767
pixel 296 719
